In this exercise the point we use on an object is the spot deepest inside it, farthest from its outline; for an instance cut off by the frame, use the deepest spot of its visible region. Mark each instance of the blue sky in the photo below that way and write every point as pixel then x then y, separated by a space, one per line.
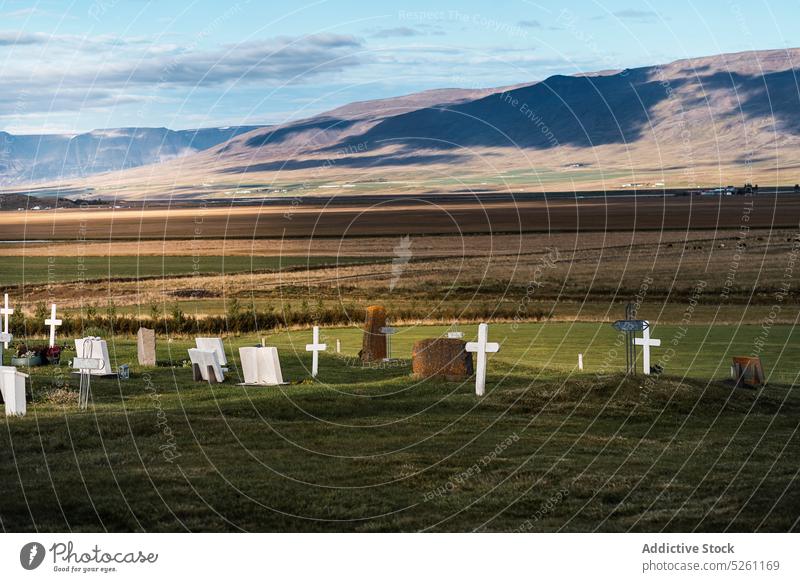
pixel 81 65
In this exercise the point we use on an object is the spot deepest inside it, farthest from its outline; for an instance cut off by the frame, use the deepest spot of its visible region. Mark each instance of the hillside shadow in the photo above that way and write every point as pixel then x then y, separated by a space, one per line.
pixel 348 162
pixel 771 95
pixel 563 110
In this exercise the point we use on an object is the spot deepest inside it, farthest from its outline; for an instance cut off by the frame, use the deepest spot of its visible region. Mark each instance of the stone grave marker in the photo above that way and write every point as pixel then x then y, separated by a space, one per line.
pixel 441 357
pixel 261 366
pixel 215 345
pixel 206 366
pixel 146 346
pixel 12 388
pixel 373 347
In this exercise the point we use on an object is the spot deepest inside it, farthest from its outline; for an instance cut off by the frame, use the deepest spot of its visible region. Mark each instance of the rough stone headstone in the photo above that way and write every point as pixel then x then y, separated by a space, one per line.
pixel 441 358
pixel 146 346
pixel 373 346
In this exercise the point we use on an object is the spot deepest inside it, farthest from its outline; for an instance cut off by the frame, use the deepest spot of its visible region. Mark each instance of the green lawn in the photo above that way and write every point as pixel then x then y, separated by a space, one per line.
pixel 371 450
pixel 17 270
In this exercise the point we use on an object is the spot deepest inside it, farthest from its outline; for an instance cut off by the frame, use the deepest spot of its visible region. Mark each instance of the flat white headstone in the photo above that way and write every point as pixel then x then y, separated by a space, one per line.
pixel 482 347
pixel 215 345
pixel 646 342
pixel 12 386
pixel 261 366
pixel 205 359
pixel 455 335
pixel 97 349
pixel 315 347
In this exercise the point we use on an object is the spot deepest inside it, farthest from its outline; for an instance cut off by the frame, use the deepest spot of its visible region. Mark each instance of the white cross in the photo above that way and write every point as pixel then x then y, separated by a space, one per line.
pixel 388 332
pixel 53 323
pixel 646 342
pixel 6 311
pixel 482 347
pixel 316 348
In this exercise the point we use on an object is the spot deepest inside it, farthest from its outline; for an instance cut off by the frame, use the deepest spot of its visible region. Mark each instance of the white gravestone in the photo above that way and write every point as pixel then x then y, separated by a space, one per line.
pixel 455 335
pixel 481 348
pixel 12 386
pixel 338 346
pixel 580 362
pixel 5 311
pixel 646 343
pixel 53 323
pixel 261 366
pixel 316 348
pixel 97 349
pixel 215 345
pixel 207 363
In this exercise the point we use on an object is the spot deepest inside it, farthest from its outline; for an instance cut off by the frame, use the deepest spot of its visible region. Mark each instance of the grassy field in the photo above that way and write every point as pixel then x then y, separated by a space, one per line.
pixel 60 268
pixel 372 450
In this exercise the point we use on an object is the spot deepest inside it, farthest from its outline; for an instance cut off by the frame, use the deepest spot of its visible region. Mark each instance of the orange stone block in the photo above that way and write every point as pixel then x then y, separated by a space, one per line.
pixel 441 358
pixel 373 346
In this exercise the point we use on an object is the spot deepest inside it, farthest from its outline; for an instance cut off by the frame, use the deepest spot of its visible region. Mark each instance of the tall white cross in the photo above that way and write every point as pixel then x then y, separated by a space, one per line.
pixel 6 311
pixel 388 331
pixel 646 342
pixel 53 323
pixel 481 348
pixel 316 348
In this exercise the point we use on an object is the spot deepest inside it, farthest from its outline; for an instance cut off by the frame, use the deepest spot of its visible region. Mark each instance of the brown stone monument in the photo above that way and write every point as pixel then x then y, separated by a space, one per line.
pixel 146 346
pixel 373 347
pixel 441 358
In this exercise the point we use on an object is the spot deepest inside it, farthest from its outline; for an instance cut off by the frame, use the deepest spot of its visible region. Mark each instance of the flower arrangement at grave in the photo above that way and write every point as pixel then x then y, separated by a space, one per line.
pixel 36 355
pixel 26 356
pixel 53 354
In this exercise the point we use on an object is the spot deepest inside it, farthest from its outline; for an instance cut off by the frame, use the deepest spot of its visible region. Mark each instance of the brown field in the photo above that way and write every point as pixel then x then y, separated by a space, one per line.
pixel 308 219
pixel 566 275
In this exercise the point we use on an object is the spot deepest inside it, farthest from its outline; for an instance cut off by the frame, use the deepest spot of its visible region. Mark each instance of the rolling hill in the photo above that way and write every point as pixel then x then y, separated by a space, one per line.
pixel 718 120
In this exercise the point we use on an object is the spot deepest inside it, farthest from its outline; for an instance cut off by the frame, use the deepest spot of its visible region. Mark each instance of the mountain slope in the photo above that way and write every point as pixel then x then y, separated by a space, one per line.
pixel 707 121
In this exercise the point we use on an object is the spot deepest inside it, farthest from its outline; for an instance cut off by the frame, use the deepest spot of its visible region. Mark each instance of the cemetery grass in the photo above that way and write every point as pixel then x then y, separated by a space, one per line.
pixel 547 449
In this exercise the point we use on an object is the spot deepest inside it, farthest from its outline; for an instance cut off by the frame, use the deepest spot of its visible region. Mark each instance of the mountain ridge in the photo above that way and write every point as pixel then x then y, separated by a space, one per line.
pixel 692 122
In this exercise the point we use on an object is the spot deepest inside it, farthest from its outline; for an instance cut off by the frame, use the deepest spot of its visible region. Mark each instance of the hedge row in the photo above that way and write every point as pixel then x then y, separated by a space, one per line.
pixel 246 321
